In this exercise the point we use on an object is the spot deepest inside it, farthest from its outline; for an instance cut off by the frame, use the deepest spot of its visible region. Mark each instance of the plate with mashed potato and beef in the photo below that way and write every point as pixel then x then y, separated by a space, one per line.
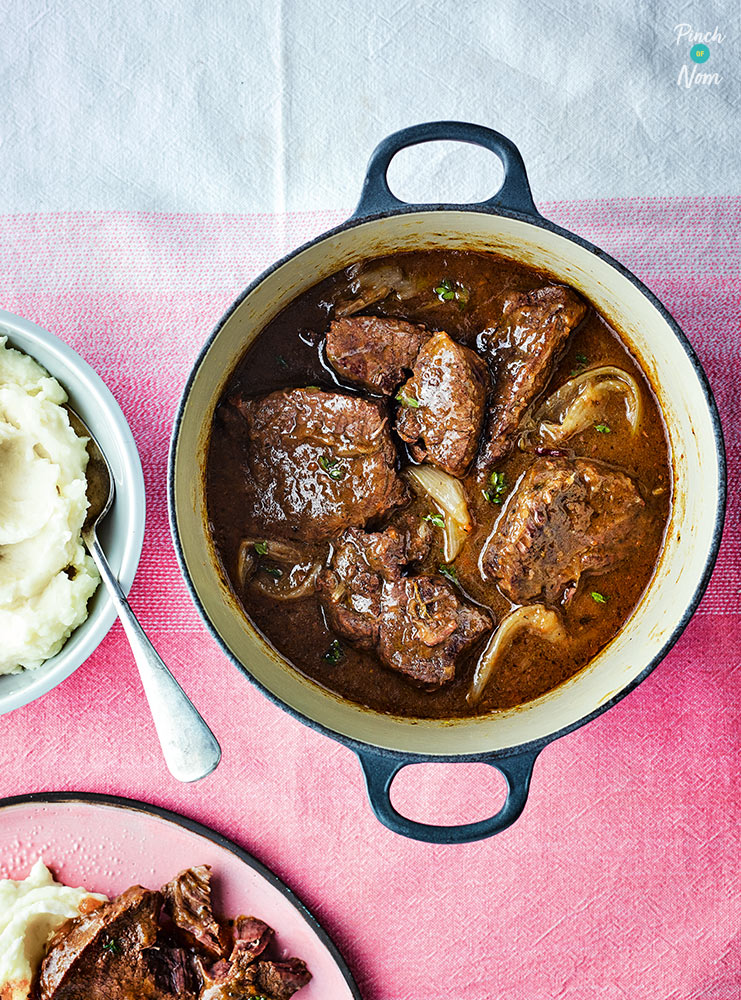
pixel 107 898
pixel 52 612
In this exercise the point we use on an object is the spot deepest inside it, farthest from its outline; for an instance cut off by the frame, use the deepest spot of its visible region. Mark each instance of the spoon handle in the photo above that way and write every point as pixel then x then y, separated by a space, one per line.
pixel 190 749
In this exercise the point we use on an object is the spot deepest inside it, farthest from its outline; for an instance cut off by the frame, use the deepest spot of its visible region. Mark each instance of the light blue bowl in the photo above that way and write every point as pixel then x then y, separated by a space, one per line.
pixel 121 533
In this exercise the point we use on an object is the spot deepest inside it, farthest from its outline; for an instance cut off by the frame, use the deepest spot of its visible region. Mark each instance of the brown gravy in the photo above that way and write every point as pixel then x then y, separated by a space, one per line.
pixel 288 353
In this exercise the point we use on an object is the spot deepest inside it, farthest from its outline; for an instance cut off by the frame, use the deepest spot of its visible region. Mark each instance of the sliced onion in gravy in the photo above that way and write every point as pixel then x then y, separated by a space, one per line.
pixel 578 404
pixel 447 494
pixel 288 584
pixel 291 585
pixel 530 618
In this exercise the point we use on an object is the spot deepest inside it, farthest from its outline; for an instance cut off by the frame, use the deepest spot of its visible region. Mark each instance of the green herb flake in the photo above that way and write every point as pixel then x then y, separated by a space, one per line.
pixel 498 488
pixel 437 519
pixel 335 652
pixel 603 428
pixel 273 571
pixel 449 572
pixel 581 363
pixel 406 400
pixel 282 361
pixel 112 946
pixel 261 548
pixel 599 598
pixel 331 466
pixel 452 291
pixel 445 291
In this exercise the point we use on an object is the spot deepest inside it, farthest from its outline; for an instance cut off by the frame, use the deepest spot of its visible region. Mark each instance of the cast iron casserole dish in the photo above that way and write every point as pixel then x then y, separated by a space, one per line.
pixel 509 225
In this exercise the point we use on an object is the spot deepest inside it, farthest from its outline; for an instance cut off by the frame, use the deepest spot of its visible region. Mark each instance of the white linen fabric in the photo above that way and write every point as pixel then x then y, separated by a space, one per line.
pixel 276 106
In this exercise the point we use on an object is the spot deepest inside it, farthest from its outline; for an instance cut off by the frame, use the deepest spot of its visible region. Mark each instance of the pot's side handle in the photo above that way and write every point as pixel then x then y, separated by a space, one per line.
pixel 380 769
pixel 376 196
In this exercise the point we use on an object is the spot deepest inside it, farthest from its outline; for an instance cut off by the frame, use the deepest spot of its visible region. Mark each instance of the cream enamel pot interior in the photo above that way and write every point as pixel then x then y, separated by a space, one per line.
pixel 508 225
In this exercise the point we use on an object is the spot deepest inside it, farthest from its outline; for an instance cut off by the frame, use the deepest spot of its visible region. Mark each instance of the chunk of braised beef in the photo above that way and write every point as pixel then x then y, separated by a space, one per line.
pixel 188 904
pixel 441 409
pixel 250 937
pixel 568 517
pixel 350 588
pixel 418 625
pixel 212 974
pixel 425 627
pixel 522 352
pixel 280 980
pixel 374 352
pixel 173 969
pixel 113 952
pixel 248 978
pixel 317 462
pixel 417 533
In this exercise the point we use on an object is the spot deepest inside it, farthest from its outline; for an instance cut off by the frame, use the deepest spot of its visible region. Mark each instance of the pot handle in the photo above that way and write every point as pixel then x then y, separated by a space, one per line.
pixel 376 196
pixel 380 769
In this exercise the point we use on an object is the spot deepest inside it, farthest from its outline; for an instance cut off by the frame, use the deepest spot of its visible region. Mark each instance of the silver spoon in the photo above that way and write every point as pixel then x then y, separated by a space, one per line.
pixel 190 749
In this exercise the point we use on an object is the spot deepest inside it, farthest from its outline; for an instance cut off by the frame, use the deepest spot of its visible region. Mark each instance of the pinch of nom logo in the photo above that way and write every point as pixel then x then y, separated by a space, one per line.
pixel 698 45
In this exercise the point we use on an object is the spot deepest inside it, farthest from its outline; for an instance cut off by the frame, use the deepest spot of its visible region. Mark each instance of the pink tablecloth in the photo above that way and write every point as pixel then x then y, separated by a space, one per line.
pixel 621 878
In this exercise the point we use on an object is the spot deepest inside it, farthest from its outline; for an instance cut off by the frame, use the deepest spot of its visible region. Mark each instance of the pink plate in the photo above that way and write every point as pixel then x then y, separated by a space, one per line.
pixel 107 844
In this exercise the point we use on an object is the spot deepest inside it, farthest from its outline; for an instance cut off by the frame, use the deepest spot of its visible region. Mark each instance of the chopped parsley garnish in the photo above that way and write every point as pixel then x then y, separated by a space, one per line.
pixel 331 467
pixel 261 548
pixel 282 361
pixel 437 519
pixel 452 291
pixel 581 363
pixel 445 291
pixel 406 400
pixel 599 598
pixel 450 572
pixel 498 488
pixel 112 946
pixel 603 428
pixel 335 652
pixel 273 571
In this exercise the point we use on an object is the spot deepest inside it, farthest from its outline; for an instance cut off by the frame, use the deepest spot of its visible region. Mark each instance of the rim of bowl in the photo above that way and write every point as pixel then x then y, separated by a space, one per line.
pixel 88 636
pixel 540 221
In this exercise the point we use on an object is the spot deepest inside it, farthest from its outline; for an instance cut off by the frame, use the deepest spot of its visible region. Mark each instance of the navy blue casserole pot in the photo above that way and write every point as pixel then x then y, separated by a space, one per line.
pixel 510 225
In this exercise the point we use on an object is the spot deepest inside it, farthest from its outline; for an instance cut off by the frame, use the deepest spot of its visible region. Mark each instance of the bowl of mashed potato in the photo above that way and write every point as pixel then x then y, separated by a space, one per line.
pixel 31 910
pixel 53 613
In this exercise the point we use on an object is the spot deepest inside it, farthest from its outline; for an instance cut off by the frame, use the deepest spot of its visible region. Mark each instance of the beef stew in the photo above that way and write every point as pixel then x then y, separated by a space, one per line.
pixel 544 483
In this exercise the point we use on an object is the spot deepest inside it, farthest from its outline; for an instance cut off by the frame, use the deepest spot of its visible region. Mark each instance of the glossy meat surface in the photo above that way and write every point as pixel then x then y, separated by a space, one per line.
pixel 374 352
pixel 188 904
pixel 127 949
pixel 251 936
pixel 351 587
pixel 418 625
pixel 318 462
pixel 425 627
pixel 569 517
pixel 441 408
pixel 245 978
pixel 522 353
pixel 113 953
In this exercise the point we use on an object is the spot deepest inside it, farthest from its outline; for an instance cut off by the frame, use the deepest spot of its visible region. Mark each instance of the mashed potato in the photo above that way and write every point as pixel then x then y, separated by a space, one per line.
pixel 30 912
pixel 46 578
